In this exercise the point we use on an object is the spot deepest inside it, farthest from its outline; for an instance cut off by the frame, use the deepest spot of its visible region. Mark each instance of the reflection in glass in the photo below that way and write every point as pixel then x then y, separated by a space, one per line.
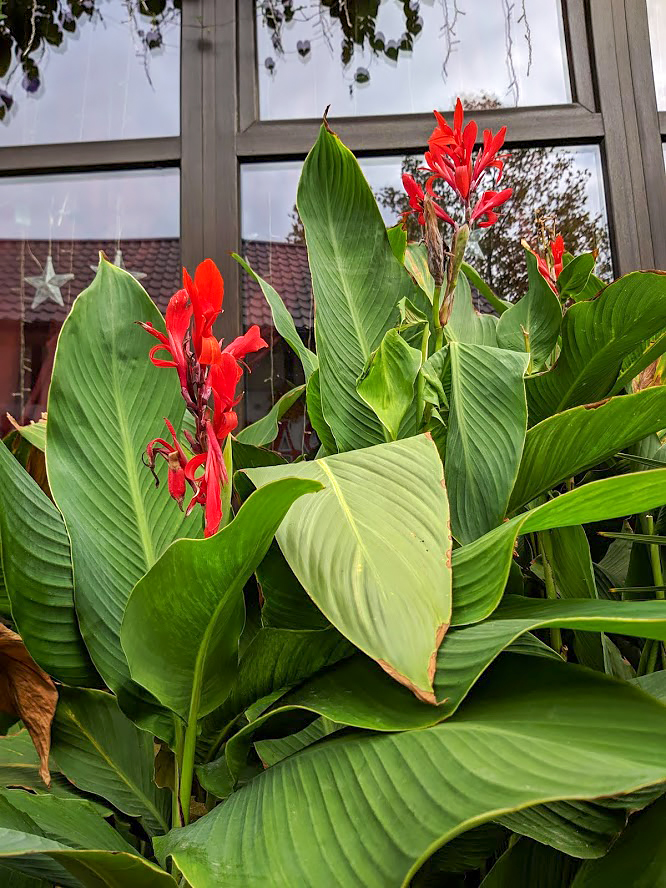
pixel 89 70
pixel 410 56
pixel 51 231
pixel 560 183
pixel 657 22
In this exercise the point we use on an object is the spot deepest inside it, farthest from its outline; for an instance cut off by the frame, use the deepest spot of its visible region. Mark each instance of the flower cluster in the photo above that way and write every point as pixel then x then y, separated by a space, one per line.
pixel 551 266
pixel 205 370
pixel 451 159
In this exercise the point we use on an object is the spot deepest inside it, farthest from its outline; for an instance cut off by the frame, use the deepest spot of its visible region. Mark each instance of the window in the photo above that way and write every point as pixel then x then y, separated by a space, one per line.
pixel 221 100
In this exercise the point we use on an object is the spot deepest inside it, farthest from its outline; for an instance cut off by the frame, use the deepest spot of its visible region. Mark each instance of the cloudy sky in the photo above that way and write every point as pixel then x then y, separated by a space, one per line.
pixel 657 19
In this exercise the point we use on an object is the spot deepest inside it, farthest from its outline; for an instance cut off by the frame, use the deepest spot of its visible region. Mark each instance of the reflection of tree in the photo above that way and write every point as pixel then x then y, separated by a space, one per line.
pixel 357 20
pixel 29 27
pixel 545 181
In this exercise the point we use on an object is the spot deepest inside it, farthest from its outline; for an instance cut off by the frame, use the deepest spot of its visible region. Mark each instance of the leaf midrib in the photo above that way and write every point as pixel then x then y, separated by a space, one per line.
pixel 136 790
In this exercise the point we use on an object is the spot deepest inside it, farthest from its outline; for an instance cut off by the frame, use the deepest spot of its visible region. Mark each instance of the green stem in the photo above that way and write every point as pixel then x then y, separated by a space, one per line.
pixel 651 649
pixel 175 806
pixel 189 748
pixel 439 333
pixel 420 381
pixel 544 546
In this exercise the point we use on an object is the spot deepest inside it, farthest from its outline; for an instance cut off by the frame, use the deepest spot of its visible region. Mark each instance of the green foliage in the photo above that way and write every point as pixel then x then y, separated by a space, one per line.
pixel 362 678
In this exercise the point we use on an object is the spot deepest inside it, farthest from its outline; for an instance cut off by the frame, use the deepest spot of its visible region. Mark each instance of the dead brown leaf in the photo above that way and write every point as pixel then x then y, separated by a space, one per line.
pixel 27 692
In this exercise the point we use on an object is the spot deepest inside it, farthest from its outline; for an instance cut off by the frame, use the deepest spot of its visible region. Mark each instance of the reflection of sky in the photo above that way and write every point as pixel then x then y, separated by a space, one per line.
pixel 113 205
pixel 303 87
pixel 657 20
pixel 99 84
pixel 268 190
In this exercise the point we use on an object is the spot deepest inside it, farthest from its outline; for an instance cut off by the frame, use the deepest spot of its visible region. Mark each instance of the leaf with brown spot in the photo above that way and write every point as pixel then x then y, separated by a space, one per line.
pixel 27 692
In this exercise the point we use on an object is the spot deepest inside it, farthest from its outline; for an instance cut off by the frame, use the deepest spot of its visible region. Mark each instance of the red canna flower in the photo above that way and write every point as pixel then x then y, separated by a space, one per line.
pixel 550 271
pixel 486 206
pixel 206 293
pixel 250 341
pixel 208 487
pixel 450 158
pixel 178 315
pixel 205 372
pixel 176 460
pixel 415 195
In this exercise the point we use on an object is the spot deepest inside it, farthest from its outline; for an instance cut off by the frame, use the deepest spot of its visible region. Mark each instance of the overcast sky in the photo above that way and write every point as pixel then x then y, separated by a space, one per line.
pixel 657 19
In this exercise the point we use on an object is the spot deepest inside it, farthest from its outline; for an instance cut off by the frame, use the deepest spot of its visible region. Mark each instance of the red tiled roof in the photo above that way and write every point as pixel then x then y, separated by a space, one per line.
pixel 285 267
pixel 158 259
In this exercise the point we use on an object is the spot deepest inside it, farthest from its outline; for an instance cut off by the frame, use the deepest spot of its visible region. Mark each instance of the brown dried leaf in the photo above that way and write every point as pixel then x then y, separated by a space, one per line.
pixel 27 692
pixel 647 378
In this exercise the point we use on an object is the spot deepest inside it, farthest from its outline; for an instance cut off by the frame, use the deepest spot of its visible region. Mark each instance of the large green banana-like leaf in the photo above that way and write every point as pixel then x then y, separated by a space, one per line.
pixel 101 751
pixel 276 659
pixel 481 569
pixel 637 859
pixel 577 439
pixel 533 323
pixel 356 279
pixel 90 868
pixel 284 323
pixel 596 336
pixel 286 604
pixel 195 591
pixel 373 551
pixel 531 864
pixel 356 692
pixel 465 323
pixel 317 421
pixel 37 566
pixel 483 446
pixel 528 736
pixel 106 402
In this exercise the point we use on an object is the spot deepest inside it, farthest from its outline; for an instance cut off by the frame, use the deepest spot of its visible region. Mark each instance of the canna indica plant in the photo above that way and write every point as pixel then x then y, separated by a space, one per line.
pixel 431 654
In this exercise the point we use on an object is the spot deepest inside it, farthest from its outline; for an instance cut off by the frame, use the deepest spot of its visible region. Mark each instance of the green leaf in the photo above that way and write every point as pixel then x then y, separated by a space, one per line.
pixel 275 660
pixel 433 372
pixel 596 336
pixel 638 858
pixel 101 751
pixel 37 567
pixel 317 421
pixel 34 433
pixel 357 693
pixel 273 751
pixel 475 279
pixel 481 568
pixel 465 323
pixel 570 442
pixel 531 864
pixel 467 852
pixel 397 236
pixel 93 869
pixel 387 382
pixel 356 279
pixel 198 584
pixel 106 402
pixel 635 537
pixel 264 431
pixel 633 365
pixel 286 603
pixel 654 684
pixel 283 321
pixel 416 263
pixel 553 731
pixel 573 280
pixel 538 315
pixel 377 566
pixel 483 446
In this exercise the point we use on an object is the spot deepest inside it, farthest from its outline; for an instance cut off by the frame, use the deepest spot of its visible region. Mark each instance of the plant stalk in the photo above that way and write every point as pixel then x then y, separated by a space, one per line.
pixel 439 332
pixel 176 819
pixel 544 546
pixel 420 381
pixel 649 661
pixel 189 749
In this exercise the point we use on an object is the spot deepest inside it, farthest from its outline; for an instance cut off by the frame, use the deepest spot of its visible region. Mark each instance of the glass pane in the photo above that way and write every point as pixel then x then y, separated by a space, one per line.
pixel 89 70
pixel 657 21
pixel 409 56
pixel 51 231
pixel 563 183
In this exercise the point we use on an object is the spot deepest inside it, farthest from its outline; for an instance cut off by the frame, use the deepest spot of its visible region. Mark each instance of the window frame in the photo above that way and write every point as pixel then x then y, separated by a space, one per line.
pixel 614 107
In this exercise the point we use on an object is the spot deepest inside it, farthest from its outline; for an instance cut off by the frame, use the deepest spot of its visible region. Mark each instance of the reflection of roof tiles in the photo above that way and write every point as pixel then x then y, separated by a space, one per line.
pixel 158 259
pixel 285 267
